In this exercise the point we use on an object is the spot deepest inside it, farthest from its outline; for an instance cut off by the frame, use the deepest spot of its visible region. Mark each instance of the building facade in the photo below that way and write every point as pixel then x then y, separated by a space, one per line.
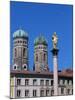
pixel 32 84
pixel 25 83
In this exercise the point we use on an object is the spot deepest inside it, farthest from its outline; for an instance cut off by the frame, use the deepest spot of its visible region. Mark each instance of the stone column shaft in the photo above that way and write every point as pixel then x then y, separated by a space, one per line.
pixel 55 72
pixel 55 75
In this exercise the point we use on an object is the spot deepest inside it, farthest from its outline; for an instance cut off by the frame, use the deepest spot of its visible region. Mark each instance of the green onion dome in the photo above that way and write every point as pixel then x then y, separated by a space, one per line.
pixel 40 40
pixel 20 33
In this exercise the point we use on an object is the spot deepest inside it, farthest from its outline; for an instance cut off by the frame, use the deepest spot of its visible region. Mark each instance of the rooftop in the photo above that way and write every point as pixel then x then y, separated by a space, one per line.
pixel 64 73
pixel 40 40
pixel 20 33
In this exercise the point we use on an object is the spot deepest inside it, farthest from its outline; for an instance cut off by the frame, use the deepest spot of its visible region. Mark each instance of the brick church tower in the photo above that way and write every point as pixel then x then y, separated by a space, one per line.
pixel 40 54
pixel 20 50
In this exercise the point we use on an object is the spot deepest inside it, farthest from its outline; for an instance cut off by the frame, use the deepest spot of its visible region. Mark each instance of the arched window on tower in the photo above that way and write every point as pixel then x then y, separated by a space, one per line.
pixel 36 57
pixel 24 52
pixel 44 58
pixel 15 52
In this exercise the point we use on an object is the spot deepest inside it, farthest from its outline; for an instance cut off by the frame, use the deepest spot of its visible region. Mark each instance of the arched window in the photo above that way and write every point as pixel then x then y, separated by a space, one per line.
pixel 24 52
pixel 18 41
pixel 36 57
pixel 25 66
pixel 14 66
pixel 15 52
pixel 44 58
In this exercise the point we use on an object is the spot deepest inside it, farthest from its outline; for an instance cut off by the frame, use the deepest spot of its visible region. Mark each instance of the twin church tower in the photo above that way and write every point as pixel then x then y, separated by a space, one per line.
pixel 20 52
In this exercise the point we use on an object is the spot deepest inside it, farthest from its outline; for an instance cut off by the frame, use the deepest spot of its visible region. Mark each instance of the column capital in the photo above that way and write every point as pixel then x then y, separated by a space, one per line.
pixel 55 51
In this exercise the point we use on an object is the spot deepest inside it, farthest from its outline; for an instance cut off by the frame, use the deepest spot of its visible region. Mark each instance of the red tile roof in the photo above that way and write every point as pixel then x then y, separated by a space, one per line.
pixel 64 73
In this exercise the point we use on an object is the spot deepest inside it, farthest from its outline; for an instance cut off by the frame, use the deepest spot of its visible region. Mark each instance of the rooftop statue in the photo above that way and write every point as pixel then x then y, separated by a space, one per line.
pixel 54 40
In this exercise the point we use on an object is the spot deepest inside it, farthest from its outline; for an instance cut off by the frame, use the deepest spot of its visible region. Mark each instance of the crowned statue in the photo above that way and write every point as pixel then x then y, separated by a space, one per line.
pixel 54 40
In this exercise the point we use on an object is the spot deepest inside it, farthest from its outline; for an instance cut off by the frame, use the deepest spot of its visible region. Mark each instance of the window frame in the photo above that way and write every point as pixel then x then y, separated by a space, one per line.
pixel 34 93
pixel 26 82
pixel 42 84
pixel 34 83
pixel 41 93
pixel 18 81
pixel 19 93
pixel 27 93
pixel 47 82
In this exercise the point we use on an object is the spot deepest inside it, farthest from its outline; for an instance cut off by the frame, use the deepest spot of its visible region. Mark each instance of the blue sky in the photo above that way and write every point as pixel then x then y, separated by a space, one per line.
pixel 36 18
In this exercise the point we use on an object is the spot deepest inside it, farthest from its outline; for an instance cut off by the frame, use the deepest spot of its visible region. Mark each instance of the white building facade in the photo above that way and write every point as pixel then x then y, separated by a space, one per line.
pixel 30 84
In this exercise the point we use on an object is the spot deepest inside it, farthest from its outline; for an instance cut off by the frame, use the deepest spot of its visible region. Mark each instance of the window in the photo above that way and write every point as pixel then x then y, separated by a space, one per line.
pixel 15 52
pixel 26 93
pixel 27 82
pixel 72 91
pixel 47 92
pixel 68 91
pixel 40 56
pixel 63 82
pixel 62 90
pixel 23 41
pixel 52 92
pixel 47 82
pixel 24 52
pixel 34 93
pixel 36 57
pixel 42 93
pixel 72 82
pixel 18 81
pixel 68 82
pixel 18 93
pixel 59 82
pixel 39 47
pixel 51 82
pixel 20 41
pixel 44 58
pixel 42 82
pixel 34 82
pixel 15 67
pixel 25 66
